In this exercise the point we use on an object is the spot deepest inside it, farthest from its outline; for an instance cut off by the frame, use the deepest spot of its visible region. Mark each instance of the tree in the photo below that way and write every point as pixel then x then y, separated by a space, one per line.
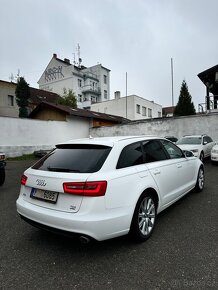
pixel 185 105
pixel 68 99
pixel 22 93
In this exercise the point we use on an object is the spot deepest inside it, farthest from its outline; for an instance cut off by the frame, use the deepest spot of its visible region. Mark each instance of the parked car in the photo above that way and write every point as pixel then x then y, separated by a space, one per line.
pixel 101 188
pixel 171 138
pixel 214 153
pixel 42 152
pixel 2 168
pixel 200 145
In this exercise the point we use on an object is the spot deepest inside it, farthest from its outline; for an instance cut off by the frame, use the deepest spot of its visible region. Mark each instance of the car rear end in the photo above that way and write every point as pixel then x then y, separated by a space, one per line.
pixel 64 191
pixel 2 168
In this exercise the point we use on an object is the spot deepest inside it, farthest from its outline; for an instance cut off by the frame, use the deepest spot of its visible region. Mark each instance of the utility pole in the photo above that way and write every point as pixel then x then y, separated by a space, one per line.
pixel 172 81
pixel 126 95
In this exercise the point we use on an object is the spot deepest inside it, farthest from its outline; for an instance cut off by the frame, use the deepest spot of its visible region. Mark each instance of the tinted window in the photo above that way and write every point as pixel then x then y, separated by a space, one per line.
pixel 154 151
pixel 131 155
pixel 74 158
pixel 208 139
pixel 173 151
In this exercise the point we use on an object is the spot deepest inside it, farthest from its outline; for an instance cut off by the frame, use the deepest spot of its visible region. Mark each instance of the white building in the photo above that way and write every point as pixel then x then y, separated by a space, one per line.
pixel 90 85
pixel 131 107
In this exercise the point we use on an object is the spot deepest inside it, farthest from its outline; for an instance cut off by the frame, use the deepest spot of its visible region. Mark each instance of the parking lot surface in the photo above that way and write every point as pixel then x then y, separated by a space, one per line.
pixel 181 254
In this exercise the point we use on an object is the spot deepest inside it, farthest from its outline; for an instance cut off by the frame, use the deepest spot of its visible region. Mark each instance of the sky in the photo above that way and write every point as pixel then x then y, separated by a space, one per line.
pixel 134 38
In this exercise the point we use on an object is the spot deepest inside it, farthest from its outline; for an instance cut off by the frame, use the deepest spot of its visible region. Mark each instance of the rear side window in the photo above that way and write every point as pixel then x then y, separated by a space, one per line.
pixel 154 151
pixel 74 158
pixel 131 155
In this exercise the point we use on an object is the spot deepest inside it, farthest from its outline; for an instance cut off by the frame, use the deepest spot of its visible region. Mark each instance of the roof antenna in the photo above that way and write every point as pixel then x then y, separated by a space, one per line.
pixel 78 53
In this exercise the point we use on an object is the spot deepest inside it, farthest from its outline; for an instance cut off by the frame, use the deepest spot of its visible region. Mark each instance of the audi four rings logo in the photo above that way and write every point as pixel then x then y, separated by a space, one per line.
pixel 40 182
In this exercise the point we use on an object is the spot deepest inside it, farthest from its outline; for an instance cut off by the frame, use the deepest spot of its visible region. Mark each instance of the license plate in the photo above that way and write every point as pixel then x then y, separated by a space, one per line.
pixel 49 196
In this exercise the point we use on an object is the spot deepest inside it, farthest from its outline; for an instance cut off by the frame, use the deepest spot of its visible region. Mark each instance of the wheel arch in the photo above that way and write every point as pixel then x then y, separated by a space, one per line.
pixel 154 193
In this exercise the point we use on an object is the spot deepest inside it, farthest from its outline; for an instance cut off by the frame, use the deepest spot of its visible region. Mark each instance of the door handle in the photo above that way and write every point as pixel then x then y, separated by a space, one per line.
pixel 178 165
pixel 156 171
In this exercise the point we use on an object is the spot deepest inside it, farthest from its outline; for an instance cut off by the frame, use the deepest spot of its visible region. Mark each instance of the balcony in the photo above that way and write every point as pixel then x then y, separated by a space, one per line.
pixel 91 90
pixel 210 105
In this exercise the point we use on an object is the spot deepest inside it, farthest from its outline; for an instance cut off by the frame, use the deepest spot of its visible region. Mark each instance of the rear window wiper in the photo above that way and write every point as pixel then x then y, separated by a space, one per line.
pixel 60 169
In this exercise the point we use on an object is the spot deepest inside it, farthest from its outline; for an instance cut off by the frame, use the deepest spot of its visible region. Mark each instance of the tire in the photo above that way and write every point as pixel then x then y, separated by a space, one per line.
pixel 200 180
pixel 144 218
pixel 202 156
pixel 2 176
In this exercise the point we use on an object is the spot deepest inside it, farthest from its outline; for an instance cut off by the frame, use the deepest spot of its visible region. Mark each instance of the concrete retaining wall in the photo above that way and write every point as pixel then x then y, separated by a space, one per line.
pixel 176 126
pixel 24 136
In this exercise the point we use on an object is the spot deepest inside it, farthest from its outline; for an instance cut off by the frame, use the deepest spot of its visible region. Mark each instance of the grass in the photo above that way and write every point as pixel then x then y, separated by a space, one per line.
pixel 23 157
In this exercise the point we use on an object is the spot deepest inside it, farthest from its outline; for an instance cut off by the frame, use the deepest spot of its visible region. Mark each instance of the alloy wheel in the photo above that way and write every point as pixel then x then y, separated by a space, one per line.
pixel 146 216
pixel 201 179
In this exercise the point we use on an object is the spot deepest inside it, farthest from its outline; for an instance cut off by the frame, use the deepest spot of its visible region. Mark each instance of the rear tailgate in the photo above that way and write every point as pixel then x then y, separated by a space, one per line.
pixel 45 189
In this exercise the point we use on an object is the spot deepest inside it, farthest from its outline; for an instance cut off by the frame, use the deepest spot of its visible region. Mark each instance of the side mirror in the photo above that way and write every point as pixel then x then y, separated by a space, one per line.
pixel 188 153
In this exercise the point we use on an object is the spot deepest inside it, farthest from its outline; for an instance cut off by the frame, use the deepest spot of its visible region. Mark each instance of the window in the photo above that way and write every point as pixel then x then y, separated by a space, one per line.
pixel 10 100
pixel 159 114
pixel 131 155
pixel 144 111
pixel 74 158
pixel 150 113
pixel 105 79
pixel 154 151
pixel 105 94
pixel 137 109
pixel 93 99
pixel 79 83
pixel 173 151
pixel 189 140
pixel 80 98
pixel 207 139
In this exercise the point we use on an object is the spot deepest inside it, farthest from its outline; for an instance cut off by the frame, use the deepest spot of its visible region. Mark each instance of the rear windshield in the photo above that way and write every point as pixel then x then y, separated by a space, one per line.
pixel 74 158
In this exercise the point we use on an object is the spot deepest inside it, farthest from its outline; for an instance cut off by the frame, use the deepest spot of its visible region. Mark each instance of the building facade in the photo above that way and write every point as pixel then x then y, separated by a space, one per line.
pixel 8 105
pixel 90 85
pixel 131 107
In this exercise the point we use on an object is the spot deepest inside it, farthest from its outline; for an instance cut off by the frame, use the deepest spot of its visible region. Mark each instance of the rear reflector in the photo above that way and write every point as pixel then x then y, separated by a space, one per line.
pixel 92 188
pixel 23 179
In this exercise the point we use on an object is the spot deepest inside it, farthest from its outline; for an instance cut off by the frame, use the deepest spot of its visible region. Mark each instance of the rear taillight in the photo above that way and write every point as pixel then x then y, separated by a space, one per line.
pixel 23 179
pixel 92 188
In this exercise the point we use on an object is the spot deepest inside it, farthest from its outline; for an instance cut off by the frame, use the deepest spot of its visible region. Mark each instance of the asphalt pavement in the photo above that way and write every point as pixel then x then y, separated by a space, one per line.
pixel 181 254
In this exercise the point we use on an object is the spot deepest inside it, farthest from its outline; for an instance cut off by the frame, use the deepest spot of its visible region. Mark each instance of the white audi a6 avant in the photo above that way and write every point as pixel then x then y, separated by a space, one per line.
pixel 101 188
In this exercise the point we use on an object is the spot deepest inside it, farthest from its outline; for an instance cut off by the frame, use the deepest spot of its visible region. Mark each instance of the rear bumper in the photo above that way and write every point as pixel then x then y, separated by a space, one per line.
pixel 2 164
pixel 102 226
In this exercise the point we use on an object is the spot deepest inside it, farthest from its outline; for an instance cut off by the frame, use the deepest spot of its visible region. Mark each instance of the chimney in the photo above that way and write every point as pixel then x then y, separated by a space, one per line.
pixel 117 95
pixel 67 60
pixel 54 55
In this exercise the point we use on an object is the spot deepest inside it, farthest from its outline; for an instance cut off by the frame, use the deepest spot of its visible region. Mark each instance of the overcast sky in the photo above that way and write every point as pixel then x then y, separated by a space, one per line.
pixel 135 36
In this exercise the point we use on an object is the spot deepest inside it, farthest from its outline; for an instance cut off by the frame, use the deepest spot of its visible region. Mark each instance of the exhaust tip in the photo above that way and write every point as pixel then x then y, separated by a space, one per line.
pixel 84 239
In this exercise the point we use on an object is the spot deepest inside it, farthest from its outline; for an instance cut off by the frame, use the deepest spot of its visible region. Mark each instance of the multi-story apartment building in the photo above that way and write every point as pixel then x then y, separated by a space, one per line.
pixel 131 107
pixel 89 84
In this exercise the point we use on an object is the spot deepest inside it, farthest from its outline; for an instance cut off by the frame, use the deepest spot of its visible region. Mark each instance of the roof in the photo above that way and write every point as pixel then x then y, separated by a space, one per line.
pixel 168 110
pixel 37 96
pixel 208 77
pixel 77 112
pixel 110 140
